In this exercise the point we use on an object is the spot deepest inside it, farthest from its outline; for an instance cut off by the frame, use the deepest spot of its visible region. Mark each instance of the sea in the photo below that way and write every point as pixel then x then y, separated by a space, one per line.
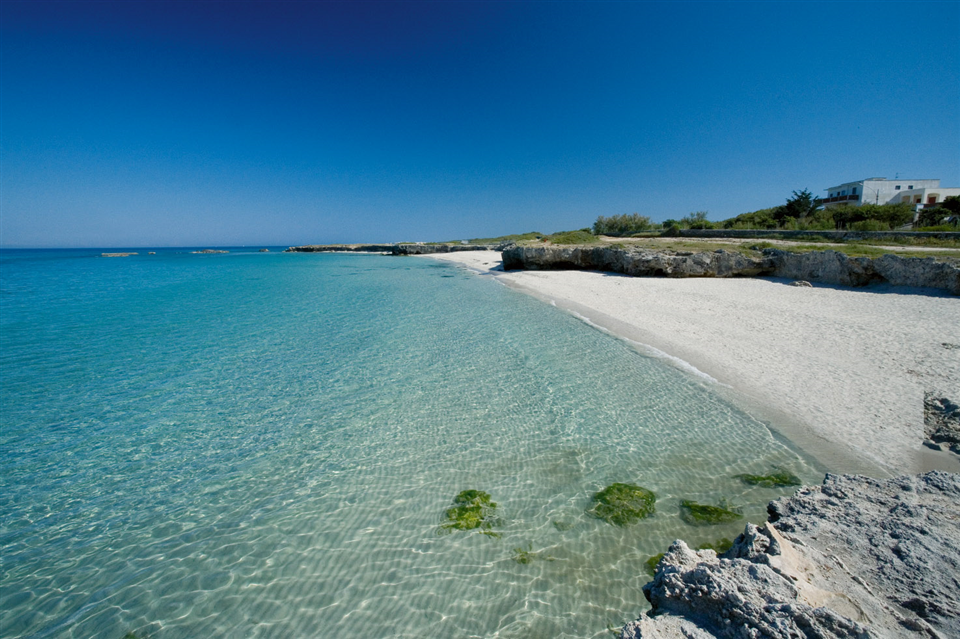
pixel 267 444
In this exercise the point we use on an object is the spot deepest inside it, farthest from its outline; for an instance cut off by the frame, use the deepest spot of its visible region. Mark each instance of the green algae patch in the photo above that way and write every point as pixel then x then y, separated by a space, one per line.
pixel 472 510
pixel 652 563
pixel 562 525
pixel 719 546
pixel 704 515
pixel 623 504
pixel 775 479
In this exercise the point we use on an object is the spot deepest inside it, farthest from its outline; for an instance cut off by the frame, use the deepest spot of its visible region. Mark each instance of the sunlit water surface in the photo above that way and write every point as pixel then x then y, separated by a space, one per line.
pixel 264 445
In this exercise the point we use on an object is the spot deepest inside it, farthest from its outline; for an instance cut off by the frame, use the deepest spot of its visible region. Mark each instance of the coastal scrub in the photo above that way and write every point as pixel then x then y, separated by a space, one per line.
pixel 705 515
pixel 775 479
pixel 472 510
pixel 623 504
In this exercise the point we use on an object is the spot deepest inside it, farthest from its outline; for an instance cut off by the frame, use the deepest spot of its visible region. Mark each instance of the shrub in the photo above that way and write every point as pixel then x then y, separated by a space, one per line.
pixel 672 231
pixel 869 225
pixel 696 220
pixel 573 237
pixel 619 225
pixel 933 216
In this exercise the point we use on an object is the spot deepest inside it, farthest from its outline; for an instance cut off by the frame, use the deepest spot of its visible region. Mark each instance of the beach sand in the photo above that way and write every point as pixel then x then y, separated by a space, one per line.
pixel 839 371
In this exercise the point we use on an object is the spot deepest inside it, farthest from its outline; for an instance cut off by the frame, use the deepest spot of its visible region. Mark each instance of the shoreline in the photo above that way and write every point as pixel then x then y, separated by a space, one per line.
pixel 840 372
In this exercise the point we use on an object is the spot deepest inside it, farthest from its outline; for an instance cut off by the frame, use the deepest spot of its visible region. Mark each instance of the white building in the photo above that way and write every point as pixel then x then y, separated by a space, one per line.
pixel 919 193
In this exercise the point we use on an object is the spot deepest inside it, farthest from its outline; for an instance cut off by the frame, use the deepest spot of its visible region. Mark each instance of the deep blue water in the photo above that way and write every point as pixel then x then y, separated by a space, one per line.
pixel 264 445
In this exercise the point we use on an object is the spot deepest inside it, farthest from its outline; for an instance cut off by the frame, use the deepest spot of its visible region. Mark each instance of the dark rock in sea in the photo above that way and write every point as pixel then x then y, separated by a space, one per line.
pixel 855 557
pixel 264 250
pixel 210 251
pixel 117 254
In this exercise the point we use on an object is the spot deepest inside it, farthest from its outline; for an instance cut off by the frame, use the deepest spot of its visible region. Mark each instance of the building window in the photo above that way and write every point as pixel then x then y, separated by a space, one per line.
pixel 910 187
pixel 854 191
pixel 917 200
pixel 897 187
pixel 932 199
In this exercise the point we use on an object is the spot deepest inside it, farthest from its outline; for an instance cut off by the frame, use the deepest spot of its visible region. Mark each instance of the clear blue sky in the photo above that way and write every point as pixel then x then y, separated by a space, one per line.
pixel 207 123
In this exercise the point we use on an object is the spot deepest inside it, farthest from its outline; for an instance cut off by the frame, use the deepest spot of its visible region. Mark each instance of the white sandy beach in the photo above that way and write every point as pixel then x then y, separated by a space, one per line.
pixel 840 371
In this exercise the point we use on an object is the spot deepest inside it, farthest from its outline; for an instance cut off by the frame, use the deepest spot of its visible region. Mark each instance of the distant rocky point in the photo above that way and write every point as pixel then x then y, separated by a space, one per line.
pixel 117 254
pixel 853 558
pixel 391 249
pixel 210 251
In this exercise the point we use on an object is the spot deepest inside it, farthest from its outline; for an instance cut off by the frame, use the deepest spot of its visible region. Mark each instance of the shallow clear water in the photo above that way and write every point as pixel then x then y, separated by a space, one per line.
pixel 264 445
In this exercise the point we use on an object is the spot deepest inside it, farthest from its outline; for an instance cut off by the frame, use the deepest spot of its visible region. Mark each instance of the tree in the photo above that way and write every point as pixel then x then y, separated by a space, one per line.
pixel 799 206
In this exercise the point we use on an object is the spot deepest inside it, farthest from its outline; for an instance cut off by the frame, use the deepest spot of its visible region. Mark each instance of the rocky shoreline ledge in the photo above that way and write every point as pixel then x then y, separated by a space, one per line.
pixel 829 267
pixel 854 557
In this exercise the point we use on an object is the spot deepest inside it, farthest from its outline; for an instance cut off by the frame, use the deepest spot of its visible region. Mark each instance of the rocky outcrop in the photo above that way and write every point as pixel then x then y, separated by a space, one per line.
pixel 341 248
pixel 634 261
pixel 855 557
pixel 941 423
pixel 117 254
pixel 392 249
pixel 210 251
pixel 829 267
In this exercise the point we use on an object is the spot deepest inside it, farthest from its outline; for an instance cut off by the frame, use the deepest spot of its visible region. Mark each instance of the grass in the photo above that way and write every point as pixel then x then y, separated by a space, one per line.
pixel 573 237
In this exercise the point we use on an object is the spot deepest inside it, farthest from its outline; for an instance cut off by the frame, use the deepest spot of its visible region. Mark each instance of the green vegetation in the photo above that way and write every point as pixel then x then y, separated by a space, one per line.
pixel 623 504
pixel 583 236
pixel 472 510
pixel 652 562
pixel 719 546
pixel 621 225
pixel 776 479
pixel 518 237
pixel 703 515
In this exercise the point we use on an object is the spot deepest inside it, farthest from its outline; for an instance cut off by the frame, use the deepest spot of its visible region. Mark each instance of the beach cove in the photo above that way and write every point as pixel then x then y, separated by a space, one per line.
pixel 841 371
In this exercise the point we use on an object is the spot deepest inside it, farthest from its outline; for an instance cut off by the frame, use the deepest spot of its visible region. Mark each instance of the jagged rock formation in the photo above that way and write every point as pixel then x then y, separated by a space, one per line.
pixel 829 267
pixel 392 249
pixel 855 557
pixel 941 423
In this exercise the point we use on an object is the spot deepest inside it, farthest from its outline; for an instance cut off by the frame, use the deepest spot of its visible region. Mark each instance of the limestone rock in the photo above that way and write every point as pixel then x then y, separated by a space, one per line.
pixel 801 283
pixel 941 422
pixel 855 557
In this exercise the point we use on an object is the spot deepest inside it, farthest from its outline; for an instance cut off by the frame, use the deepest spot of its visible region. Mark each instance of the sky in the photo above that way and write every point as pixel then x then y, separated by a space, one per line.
pixel 126 124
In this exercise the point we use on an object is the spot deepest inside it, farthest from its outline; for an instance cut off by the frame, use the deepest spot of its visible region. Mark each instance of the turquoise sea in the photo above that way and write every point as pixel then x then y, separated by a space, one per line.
pixel 265 444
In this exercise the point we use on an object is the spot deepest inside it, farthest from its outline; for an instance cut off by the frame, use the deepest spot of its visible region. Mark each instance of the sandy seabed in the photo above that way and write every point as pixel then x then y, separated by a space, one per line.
pixel 839 371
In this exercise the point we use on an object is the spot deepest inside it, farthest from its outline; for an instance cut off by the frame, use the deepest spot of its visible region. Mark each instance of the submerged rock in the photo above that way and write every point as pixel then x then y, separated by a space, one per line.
pixel 775 479
pixel 472 510
pixel 855 557
pixel 623 504
pixel 705 515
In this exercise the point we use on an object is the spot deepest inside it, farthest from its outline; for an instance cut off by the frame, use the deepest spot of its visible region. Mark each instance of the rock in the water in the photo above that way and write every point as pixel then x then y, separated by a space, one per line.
pixel 209 251
pixel 117 254
pixel 264 250
pixel 623 504
pixel 855 557
pixel 801 283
